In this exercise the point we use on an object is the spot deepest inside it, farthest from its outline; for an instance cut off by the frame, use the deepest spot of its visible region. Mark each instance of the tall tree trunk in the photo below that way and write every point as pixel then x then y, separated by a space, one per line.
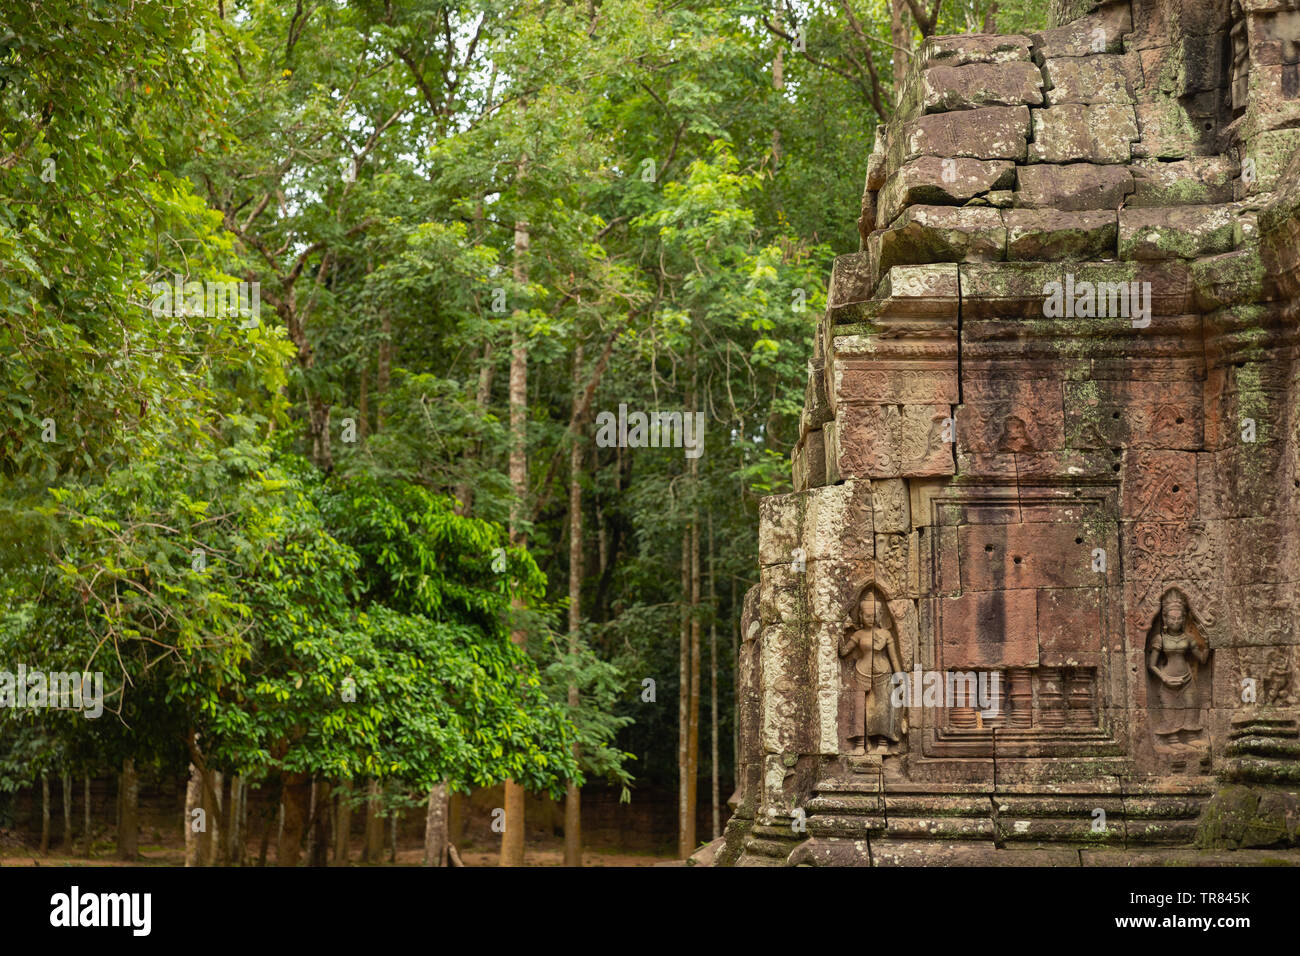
pixel 693 756
pixel 573 794
pixel 385 365
pixel 713 684
pixel 243 819
pixel 210 839
pixel 269 811
pixel 735 669
pixel 901 37
pixel 482 398
pixel 343 824
pixel 392 837
pixel 89 837
pixel 128 825
pixel 363 404
pixel 990 19
pixel 226 796
pixel 374 826
pixel 193 801
pixel 685 811
pixel 512 841
pixel 320 824
pixel 67 812
pixel 234 851
pixel 294 799
pixel 435 827
pixel 778 82
pixel 45 814
pixel 310 828
pixel 318 411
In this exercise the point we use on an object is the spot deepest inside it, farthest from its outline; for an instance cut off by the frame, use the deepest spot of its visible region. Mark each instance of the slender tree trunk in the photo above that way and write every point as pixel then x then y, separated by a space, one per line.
pixel 210 839
pixel 482 398
pixel 512 841
pixel 482 394
pixel 294 800
pixel 202 794
pixel 193 801
pixel 685 812
pixel 344 824
pixel 225 798
pixel 128 826
pixel 320 824
pixel 385 364
pixel 239 856
pixel 267 814
pixel 435 827
pixel 901 37
pixel 243 819
pixel 363 404
pixel 713 685
pixel 89 837
pixel 991 19
pixel 234 828
pixel 735 669
pixel 374 826
pixel 778 82
pixel 601 547
pixel 693 756
pixel 318 410
pixel 310 829
pixel 392 837
pixel 573 794
pixel 45 814
pixel 67 812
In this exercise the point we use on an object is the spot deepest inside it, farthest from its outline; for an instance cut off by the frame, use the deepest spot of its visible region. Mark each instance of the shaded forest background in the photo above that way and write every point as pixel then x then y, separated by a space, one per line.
pixel 362 550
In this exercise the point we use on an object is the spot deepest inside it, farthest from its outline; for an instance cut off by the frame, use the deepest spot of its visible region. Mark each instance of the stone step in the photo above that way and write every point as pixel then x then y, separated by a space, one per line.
pixel 1151 818
pixel 1264 727
pixel 1255 746
pixel 769 845
pixel 1264 770
pixel 940 828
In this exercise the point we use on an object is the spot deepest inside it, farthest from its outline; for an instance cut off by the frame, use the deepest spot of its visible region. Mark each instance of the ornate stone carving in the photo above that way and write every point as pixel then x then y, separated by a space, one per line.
pixel 871 645
pixel 1178 662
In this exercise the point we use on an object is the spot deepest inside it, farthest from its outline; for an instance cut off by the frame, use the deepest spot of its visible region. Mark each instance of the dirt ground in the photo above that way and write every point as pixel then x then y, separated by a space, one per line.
pixel 538 854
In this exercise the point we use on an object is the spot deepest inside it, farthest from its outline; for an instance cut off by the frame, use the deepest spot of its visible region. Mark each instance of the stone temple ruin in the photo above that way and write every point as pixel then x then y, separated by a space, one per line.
pixel 1049 467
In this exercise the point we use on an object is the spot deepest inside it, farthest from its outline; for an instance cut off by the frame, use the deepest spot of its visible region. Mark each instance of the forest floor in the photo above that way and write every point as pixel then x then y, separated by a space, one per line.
pixel 537 854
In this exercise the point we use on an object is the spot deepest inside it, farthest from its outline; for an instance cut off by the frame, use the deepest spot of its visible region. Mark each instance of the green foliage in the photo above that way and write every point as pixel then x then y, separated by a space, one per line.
pixel 182 502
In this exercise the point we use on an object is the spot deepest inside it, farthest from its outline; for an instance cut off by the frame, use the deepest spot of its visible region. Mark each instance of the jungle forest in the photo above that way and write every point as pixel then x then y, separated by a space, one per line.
pixel 387 390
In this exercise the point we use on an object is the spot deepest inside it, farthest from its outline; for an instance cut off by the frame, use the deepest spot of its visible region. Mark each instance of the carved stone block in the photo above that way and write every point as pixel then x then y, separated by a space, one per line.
pixel 989 629
pixel 780 527
pixel 1072 132
pixel 838 523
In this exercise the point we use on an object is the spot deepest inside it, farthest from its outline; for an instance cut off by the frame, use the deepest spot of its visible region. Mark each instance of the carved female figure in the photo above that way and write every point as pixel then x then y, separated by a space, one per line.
pixel 1175 653
pixel 872 644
